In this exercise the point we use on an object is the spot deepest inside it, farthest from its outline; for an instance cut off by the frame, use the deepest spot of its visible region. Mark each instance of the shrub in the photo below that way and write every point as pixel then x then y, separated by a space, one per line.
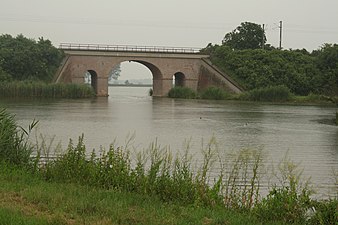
pixel 214 93
pixel 269 94
pixel 289 202
pixel 71 166
pixel 182 92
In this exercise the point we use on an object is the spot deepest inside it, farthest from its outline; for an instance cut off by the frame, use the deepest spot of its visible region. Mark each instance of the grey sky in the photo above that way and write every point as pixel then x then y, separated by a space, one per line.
pixel 180 23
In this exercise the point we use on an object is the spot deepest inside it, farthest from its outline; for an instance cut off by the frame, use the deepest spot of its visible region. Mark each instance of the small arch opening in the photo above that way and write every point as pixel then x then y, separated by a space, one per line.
pixel 178 79
pixel 91 78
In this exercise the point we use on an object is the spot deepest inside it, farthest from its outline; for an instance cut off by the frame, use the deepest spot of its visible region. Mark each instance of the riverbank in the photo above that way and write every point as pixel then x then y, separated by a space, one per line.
pixel 28 199
pixel 277 94
pixel 95 185
pixel 28 89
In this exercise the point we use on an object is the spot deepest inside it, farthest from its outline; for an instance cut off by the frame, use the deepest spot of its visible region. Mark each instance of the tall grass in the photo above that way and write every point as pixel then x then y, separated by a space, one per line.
pixel 230 181
pixel 182 92
pixel 214 93
pixel 15 147
pixel 158 172
pixel 174 178
pixel 40 89
pixel 269 94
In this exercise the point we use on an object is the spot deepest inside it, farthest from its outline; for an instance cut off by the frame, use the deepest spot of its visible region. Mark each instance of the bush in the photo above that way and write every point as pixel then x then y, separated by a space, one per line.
pixel 284 204
pixel 14 145
pixel 214 93
pixel 182 92
pixel 289 202
pixel 269 94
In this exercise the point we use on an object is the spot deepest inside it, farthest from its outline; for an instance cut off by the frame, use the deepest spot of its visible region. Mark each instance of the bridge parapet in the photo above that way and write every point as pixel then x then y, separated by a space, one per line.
pixel 129 48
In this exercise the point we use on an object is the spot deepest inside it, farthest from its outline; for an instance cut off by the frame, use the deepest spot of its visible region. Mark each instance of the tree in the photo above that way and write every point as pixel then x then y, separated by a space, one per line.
pixel 26 59
pixel 246 36
pixel 115 73
pixel 327 62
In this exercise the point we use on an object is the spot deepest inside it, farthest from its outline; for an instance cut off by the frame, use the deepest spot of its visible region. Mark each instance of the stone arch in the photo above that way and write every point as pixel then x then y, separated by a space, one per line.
pixel 155 71
pixel 179 79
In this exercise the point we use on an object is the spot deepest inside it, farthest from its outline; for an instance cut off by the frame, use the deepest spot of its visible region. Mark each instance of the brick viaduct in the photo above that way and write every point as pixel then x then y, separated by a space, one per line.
pixel 189 67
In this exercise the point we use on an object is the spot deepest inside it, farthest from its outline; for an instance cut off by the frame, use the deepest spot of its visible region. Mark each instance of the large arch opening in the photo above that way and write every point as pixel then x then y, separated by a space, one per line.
pixel 90 77
pixel 179 79
pixel 136 73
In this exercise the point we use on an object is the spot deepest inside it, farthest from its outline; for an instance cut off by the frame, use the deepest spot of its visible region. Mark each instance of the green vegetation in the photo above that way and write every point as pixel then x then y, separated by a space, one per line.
pixel 152 186
pixel 246 36
pixel 14 145
pixel 253 67
pixel 269 94
pixel 25 59
pixel 214 93
pixel 270 74
pixel 45 90
pixel 27 68
pixel 182 92
pixel 26 198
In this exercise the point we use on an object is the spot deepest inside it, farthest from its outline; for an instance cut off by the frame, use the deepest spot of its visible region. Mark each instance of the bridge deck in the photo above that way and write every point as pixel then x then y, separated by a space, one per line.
pixel 129 48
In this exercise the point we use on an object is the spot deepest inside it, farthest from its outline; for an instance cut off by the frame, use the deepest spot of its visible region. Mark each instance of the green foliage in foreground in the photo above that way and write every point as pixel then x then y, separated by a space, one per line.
pixel 44 90
pixel 29 199
pixel 15 216
pixel 14 145
pixel 150 187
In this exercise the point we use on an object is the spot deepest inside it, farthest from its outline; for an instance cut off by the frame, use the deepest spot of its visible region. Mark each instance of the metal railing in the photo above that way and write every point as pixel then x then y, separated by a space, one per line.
pixel 128 48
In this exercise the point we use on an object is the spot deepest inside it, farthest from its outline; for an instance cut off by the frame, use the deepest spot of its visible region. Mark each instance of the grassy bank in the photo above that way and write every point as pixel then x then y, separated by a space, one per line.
pixel 154 186
pixel 45 90
pixel 268 94
pixel 29 199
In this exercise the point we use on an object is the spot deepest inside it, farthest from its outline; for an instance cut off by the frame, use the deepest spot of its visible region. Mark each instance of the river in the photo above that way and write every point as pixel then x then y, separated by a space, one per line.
pixel 301 132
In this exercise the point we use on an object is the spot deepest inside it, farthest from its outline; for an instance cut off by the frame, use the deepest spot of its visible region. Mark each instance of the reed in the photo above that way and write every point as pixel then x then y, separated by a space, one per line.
pixel 44 90
pixel 182 92
pixel 269 94
pixel 215 93
pixel 15 147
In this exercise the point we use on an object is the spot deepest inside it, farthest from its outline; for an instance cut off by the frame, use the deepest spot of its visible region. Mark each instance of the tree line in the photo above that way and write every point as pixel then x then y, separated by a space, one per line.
pixel 246 57
pixel 243 54
pixel 22 58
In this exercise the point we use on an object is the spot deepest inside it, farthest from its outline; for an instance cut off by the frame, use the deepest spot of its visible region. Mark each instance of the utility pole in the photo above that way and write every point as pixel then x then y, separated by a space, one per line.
pixel 263 35
pixel 280 34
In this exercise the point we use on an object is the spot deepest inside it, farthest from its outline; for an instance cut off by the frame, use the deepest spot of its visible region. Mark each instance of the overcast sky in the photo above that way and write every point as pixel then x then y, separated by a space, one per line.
pixel 179 23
